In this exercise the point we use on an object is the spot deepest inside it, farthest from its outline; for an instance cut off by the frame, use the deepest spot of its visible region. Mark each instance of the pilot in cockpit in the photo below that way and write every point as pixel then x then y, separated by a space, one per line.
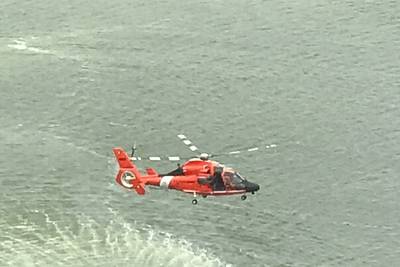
pixel 217 181
pixel 227 178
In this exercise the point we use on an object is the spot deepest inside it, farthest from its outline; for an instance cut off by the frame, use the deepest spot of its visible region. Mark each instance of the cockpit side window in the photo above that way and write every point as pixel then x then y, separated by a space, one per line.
pixel 237 179
pixel 233 180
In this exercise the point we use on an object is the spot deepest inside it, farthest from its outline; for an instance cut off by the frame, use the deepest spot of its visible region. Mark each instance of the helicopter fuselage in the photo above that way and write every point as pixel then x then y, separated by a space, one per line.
pixel 196 176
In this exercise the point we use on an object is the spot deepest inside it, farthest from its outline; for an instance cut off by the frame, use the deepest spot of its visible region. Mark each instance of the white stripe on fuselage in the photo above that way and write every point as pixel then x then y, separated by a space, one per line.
pixel 165 180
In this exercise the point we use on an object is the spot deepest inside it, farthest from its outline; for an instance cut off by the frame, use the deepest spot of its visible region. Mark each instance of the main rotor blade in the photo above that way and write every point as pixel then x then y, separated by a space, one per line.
pixel 153 158
pixel 245 150
pixel 187 142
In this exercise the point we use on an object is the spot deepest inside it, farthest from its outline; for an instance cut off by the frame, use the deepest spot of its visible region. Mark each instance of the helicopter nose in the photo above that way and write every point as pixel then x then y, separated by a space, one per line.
pixel 252 187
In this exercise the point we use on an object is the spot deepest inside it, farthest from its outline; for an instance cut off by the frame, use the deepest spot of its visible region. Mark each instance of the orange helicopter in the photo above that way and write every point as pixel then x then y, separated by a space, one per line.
pixel 198 175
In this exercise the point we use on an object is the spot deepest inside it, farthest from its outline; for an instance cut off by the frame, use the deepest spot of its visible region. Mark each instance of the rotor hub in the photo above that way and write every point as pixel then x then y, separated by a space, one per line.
pixel 204 156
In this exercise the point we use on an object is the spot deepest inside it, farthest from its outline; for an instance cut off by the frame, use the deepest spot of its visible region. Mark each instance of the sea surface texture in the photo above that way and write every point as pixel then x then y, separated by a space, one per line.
pixel 314 84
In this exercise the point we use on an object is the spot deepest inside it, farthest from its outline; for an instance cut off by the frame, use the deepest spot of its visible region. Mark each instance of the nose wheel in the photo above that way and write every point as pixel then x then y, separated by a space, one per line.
pixel 194 201
pixel 243 197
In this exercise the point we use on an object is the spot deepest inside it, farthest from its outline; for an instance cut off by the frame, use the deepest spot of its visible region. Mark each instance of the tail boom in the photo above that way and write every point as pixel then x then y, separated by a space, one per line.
pixel 128 175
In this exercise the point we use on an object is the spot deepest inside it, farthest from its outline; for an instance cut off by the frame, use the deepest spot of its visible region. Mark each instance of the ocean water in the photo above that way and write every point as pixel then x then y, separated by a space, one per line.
pixel 319 79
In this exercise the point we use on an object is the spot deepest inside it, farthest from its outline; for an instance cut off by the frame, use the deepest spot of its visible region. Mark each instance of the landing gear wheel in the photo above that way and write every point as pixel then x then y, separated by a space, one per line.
pixel 243 197
pixel 194 201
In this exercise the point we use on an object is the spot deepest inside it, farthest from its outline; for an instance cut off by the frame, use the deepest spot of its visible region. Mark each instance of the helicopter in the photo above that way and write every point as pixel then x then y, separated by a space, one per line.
pixel 199 175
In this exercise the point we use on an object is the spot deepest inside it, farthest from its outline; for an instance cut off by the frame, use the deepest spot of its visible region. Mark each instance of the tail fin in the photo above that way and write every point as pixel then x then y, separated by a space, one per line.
pixel 128 175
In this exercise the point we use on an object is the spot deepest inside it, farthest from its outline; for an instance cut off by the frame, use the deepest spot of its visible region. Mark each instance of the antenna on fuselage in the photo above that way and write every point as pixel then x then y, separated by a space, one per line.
pixel 133 149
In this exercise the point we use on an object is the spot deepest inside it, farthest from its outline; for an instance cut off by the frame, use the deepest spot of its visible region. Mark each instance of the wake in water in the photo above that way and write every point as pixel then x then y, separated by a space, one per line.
pixel 55 234
pixel 37 238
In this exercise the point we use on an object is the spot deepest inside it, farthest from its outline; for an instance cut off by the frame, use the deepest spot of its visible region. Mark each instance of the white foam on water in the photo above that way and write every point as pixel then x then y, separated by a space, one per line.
pixel 118 124
pixel 22 45
pixel 48 240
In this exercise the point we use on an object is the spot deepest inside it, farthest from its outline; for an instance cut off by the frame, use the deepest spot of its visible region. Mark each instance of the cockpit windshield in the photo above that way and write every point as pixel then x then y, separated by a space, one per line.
pixel 237 177
pixel 233 180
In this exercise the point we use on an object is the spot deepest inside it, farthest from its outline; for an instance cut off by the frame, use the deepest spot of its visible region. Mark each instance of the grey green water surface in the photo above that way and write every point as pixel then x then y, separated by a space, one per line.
pixel 320 79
